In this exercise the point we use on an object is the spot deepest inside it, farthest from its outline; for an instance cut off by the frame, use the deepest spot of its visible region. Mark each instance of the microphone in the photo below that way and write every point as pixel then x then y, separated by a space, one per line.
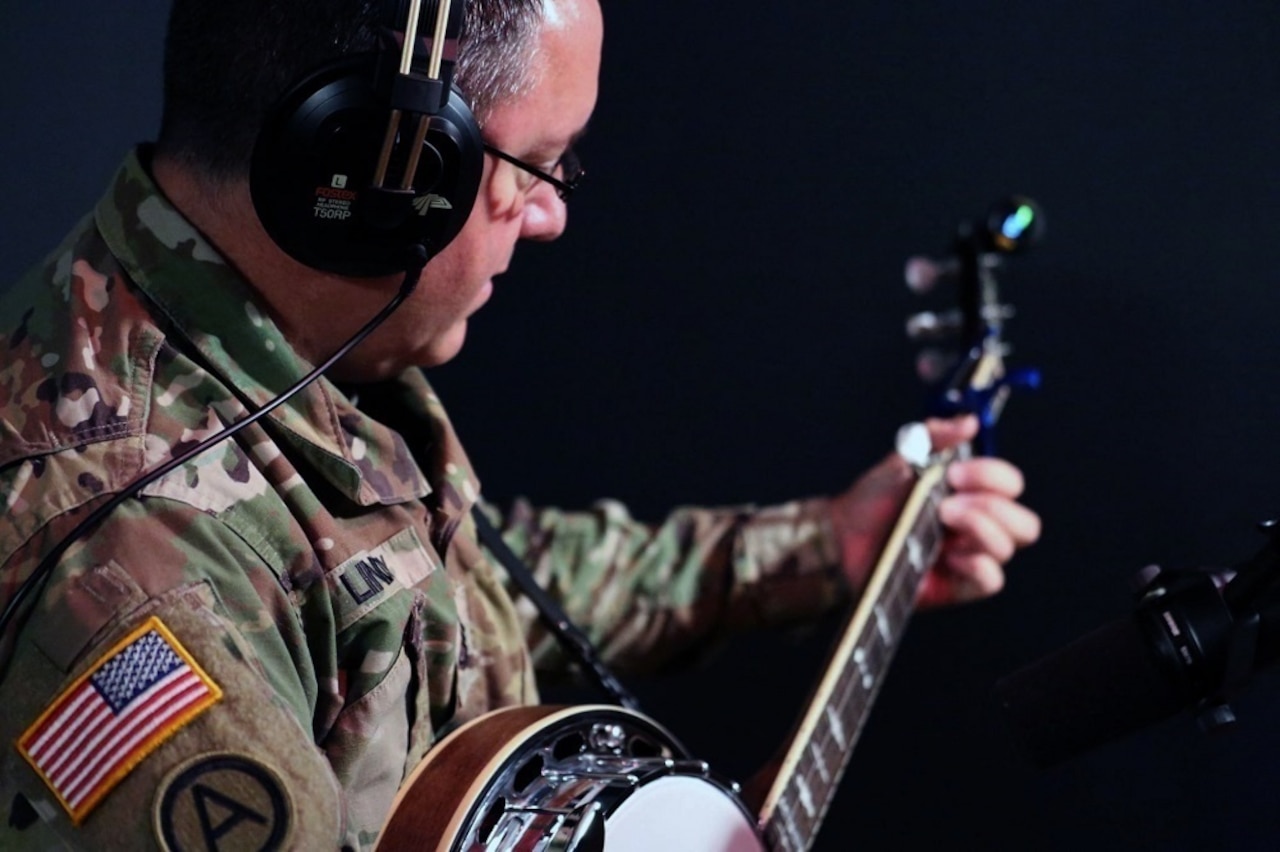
pixel 1193 641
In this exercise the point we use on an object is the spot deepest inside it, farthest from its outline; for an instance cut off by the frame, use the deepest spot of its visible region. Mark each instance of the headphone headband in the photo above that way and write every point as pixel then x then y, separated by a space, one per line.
pixel 362 162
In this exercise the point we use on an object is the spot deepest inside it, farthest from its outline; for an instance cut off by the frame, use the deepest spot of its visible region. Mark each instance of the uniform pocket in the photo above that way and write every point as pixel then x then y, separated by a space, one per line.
pixel 397 665
pixel 367 748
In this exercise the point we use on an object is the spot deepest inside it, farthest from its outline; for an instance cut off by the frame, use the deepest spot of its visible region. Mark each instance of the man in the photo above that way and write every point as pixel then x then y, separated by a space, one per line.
pixel 309 597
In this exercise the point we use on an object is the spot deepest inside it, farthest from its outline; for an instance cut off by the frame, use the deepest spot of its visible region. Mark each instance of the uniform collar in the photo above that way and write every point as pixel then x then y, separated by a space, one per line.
pixel 217 314
pixel 408 403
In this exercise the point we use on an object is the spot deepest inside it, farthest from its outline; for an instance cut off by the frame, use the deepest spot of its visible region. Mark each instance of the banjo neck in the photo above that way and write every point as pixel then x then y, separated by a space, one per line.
pixel 822 744
pixel 819 748
pixel 547 778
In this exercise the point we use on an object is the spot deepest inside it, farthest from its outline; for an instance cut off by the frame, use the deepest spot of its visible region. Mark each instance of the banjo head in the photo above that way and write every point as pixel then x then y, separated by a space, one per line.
pixel 680 812
pixel 600 779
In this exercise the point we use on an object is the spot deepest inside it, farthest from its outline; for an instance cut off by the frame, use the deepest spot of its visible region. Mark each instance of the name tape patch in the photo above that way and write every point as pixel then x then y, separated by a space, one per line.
pixel 371 576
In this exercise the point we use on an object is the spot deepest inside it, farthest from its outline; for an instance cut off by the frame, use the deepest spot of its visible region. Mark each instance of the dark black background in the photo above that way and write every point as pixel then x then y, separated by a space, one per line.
pixel 722 323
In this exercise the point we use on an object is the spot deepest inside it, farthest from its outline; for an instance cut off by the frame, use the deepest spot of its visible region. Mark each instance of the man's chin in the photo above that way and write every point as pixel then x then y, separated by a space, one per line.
pixel 433 353
pixel 444 348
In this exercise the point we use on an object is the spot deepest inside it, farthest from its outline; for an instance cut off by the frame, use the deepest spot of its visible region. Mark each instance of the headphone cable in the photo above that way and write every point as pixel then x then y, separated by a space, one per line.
pixel 417 260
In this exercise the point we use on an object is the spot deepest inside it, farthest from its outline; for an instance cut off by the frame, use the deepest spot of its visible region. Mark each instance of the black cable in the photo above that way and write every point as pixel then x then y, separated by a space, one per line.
pixel 570 635
pixel 42 571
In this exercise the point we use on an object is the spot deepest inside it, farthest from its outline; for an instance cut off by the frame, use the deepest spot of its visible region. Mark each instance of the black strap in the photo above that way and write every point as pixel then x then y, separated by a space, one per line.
pixel 571 638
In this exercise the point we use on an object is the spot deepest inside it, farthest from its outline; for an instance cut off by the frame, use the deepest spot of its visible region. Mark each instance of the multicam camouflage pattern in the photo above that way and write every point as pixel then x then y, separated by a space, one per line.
pixel 322 566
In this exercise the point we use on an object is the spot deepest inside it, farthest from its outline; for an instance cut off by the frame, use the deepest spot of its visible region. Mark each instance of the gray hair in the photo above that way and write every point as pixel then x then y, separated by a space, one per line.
pixel 228 61
pixel 496 56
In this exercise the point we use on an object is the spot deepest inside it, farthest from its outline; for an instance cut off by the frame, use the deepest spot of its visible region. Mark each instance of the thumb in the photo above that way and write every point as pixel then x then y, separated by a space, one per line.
pixel 948 432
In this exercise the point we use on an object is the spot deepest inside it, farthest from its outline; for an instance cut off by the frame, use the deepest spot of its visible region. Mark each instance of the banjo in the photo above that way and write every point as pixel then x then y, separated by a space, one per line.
pixel 601 778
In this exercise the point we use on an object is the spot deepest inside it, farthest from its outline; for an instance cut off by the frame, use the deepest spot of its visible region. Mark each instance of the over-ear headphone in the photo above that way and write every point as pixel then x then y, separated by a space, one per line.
pixel 346 178
pixel 349 138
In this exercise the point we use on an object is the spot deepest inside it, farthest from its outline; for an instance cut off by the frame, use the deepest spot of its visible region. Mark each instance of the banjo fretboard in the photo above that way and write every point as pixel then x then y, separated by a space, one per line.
pixel 820 749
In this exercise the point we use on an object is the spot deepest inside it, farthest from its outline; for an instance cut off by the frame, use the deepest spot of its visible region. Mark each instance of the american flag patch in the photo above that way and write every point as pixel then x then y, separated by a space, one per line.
pixel 139 694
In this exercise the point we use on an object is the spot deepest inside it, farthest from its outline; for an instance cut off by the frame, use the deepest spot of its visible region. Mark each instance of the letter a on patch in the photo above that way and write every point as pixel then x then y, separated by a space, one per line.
pixel 139 694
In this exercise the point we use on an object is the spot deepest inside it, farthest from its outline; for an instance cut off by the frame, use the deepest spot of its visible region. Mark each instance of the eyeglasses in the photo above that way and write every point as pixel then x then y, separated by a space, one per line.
pixel 569 165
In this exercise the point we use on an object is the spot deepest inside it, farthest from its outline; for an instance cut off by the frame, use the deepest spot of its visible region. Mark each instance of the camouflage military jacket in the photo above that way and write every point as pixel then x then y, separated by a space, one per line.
pixel 254 649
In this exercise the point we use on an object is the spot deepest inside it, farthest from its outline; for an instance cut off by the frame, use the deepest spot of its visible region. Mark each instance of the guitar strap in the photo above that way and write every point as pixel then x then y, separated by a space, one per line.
pixel 571 638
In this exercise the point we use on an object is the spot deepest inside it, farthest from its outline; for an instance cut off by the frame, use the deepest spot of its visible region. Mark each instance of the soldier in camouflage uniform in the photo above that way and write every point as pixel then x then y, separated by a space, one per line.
pixel 309 597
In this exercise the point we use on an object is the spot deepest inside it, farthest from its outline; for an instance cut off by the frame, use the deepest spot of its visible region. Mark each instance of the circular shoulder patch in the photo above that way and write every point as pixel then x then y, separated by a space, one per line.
pixel 222 802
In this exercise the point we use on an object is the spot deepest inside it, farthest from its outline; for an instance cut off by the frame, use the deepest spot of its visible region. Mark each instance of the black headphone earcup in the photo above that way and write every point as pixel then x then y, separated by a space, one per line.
pixel 313 168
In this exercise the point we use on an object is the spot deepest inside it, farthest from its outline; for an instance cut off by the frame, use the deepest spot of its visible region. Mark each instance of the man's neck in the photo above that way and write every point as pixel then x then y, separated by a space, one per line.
pixel 223 212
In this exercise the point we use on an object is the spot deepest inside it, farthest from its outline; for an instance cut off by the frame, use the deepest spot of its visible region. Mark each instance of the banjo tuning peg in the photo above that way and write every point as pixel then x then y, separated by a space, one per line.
pixel 922 274
pixel 929 325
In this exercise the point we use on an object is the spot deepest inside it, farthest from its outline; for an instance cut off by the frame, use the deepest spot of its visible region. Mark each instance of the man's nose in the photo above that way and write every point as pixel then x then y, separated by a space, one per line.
pixel 545 214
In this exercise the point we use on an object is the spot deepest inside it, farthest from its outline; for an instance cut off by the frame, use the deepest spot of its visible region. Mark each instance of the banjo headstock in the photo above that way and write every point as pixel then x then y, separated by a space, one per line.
pixel 969 374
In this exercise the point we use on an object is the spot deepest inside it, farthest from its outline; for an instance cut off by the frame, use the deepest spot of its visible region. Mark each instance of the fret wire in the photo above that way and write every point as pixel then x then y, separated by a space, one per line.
pixel 928 522
pixel 809 807
pixel 775 837
pixel 847 680
pixel 886 624
pixel 782 840
pixel 852 709
pixel 838 727
pixel 833 762
pixel 846 687
pixel 819 760
pixel 832 756
pixel 909 585
pixel 902 585
pixel 822 777
pixel 790 823
pixel 818 776
pixel 877 654
pixel 818 765
pixel 904 603
pixel 901 598
pixel 822 789
pixel 930 541
pixel 833 715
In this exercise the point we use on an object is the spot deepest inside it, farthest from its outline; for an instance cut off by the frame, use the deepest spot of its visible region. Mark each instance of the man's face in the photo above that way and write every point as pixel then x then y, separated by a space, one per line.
pixel 511 204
